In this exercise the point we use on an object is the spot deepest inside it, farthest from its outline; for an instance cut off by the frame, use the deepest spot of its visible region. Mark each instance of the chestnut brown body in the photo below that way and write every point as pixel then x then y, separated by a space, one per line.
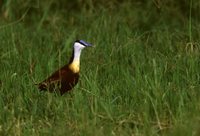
pixel 62 80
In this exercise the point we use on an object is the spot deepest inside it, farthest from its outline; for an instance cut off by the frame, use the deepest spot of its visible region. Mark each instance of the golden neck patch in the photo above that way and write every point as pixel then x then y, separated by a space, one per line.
pixel 75 66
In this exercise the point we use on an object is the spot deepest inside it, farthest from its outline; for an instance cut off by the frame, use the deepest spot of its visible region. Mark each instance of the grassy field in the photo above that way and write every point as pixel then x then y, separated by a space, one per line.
pixel 141 78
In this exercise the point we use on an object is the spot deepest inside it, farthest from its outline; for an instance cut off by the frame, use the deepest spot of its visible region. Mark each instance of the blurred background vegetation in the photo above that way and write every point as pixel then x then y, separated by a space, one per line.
pixel 147 13
pixel 138 15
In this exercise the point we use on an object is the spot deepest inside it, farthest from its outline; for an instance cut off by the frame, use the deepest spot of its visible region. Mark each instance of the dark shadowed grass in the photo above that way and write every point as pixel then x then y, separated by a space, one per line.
pixel 141 78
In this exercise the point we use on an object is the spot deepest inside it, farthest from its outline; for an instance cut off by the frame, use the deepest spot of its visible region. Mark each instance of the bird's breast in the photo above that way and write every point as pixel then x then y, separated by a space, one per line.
pixel 74 66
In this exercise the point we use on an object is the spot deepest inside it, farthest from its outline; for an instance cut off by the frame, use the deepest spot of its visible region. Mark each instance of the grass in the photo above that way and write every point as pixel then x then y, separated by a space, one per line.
pixel 141 78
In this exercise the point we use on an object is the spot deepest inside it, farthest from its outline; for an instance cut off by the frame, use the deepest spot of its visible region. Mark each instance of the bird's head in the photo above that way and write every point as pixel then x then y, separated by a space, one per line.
pixel 80 44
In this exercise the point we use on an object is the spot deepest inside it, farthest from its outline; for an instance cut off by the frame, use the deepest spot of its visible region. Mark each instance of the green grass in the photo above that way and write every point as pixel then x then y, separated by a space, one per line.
pixel 141 78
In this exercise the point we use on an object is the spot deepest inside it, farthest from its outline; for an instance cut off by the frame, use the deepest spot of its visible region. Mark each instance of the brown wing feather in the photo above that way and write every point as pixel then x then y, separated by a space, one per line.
pixel 63 80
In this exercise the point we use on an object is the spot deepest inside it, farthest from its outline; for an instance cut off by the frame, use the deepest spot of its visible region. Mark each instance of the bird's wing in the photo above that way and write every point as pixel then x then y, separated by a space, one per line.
pixel 55 78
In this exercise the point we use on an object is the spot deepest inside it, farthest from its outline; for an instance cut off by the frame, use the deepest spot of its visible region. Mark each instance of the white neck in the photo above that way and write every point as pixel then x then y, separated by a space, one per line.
pixel 75 64
pixel 77 54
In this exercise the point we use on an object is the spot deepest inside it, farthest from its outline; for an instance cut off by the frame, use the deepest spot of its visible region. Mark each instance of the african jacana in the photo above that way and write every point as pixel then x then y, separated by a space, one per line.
pixel 66 78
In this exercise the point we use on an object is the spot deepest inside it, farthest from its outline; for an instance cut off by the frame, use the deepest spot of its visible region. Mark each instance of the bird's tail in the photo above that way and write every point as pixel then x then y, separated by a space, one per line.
pixel 42 86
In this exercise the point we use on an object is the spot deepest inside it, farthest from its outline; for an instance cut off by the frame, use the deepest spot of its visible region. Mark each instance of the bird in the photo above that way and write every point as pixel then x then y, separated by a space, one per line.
pixel 65 78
